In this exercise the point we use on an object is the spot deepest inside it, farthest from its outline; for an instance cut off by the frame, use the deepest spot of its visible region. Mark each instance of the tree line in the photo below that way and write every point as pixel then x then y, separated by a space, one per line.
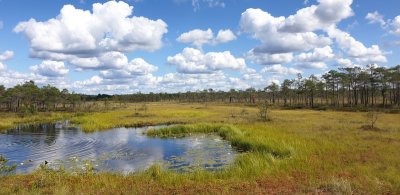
pixel 29 98
pixel 346 87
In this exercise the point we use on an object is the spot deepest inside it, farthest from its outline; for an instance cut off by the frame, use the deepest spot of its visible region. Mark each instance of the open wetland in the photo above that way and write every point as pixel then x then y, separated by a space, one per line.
pixel 213 149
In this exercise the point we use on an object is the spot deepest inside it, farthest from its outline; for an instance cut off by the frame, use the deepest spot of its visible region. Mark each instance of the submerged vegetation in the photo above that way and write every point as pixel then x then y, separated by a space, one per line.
pixel 296 151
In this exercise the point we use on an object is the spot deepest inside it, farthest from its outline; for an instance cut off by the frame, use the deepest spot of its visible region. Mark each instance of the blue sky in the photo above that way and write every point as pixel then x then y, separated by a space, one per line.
pixel 180 45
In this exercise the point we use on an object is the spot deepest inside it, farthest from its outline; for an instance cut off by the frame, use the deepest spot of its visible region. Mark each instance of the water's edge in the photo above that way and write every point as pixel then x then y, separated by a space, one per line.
pixel 121 150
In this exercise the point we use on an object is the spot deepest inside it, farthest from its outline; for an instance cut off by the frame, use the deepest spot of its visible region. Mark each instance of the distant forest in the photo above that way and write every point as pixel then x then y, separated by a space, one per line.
pixel 346 88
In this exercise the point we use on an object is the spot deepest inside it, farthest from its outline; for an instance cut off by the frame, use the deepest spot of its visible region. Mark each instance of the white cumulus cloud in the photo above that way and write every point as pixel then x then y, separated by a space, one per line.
pixel 267 29
pixel 317 55
pixel 395 26
pixel 316 17
pixel 3 57
pixel 50 69
pixel 92 39
pixel 392 26
pixel 312 65
pixel 136 67
pixel 2 67
pixel 308 35
pixel 346 63
pixel 192 61
pixel 6 55
pixel 268 59
pixel 356 49
pixel 280 70
pixel 224 36
pixel 193 82
pixel 198 37
pixel 375 17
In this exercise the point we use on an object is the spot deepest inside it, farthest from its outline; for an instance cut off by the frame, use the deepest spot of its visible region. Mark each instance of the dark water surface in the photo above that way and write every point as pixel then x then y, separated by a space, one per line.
pixel 123 150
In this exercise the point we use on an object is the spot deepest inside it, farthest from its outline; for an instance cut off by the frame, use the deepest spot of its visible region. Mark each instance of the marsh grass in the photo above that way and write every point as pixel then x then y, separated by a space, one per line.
pixel 228 132
pixel 298 151
pixel 10 120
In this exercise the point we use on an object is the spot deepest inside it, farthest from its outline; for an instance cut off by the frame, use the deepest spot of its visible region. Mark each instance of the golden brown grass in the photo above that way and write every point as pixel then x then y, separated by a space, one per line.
pixel 329 153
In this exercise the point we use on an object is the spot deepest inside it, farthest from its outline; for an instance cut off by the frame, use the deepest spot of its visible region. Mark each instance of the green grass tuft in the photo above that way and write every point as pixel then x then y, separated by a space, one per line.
pixel 227 132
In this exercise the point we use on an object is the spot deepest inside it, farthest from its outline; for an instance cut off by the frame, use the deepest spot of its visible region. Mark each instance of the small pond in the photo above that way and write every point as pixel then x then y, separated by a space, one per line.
pixel 122 150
